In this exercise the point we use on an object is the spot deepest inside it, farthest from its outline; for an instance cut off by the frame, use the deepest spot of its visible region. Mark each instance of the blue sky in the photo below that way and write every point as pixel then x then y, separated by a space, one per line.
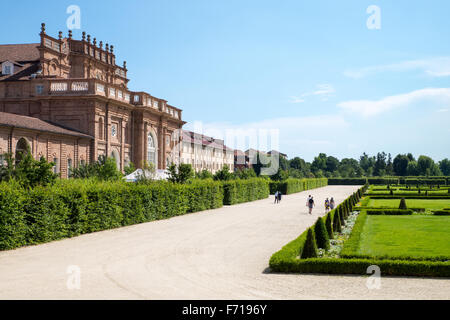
pixel 310 69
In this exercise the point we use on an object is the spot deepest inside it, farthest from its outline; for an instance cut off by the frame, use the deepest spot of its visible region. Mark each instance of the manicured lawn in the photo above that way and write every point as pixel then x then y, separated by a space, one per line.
pixel 410 203
pixel 411 236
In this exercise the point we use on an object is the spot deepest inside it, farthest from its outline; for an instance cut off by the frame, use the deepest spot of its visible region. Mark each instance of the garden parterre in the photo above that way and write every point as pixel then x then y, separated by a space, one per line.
pixel 408 242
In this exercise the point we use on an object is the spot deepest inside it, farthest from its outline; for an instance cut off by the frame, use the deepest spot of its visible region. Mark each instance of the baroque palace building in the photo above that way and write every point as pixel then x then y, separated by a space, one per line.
pixel 205 153
pixel 68 100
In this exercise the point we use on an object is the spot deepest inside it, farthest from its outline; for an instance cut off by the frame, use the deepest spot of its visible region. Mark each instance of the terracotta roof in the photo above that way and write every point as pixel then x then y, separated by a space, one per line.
pixel 24 122
pixel 19 52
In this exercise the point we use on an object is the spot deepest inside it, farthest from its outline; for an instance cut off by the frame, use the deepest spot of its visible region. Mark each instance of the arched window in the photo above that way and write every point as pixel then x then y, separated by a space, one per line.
pixel 22 148
pixel 151 149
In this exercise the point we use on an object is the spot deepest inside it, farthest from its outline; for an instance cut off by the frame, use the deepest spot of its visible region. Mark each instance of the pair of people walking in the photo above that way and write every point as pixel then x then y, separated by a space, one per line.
pixel 329 204
pixel 278 196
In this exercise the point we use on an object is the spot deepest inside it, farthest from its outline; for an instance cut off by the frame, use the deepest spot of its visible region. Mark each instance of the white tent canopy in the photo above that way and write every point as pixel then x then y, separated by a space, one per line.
pixel 158 175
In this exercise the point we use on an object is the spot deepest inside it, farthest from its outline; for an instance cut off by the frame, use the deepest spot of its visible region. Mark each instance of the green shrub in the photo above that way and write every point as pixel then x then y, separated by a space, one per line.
pixel 310 248
pixel 329 226
pixel 337 222
pixel 403 204
pixel 322 238
pixel 12 216
pixel 342 216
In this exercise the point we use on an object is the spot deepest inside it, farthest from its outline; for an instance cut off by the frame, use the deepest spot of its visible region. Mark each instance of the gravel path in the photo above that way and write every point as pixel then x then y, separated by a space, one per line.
pixel 217 254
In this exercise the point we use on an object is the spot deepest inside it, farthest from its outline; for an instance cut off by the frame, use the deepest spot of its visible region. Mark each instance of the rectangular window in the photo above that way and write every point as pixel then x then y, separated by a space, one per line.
pixel 56 167
pixel 39 89
pixel 69 167
pixel 7 69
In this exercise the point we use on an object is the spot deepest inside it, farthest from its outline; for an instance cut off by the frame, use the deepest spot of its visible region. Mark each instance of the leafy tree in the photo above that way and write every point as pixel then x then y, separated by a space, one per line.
pixel 425 165
pixel 310 247
pixel 389 166
pixel 281 175
pixel 319 164
pixel 224 174
pixel 27 171
pixel 380 165
pixel 367 164
pixel 148 173
pixel 204 174
pixel 332 164
pixel 180 174
pixel 245 173
pixel 104 169
pixel 412 169
pixel 444 165
pixel 401 164
pixel 130 168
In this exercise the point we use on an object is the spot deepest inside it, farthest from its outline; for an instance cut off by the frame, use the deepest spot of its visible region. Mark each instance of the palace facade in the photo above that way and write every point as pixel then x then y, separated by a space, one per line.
pixel 71 104
pixel 205 153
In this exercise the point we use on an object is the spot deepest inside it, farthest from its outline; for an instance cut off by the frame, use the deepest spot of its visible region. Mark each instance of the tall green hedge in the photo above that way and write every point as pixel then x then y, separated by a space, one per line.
pixel 239 191
pixel 71 208
pixel 291 185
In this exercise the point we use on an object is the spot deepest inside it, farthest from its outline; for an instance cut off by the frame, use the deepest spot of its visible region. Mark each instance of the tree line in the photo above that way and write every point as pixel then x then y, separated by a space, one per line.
pixel 379 165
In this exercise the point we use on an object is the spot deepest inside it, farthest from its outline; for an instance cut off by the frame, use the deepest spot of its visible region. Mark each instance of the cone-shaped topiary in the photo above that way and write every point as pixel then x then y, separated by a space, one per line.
pixel 322 239
pixel 337 222
pixel 403 204
pixel 342 217
pixel 310 247
pixel 329 226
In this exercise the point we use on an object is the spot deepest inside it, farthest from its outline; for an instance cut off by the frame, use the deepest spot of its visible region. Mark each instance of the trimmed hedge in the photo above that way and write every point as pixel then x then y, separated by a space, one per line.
pixel 390 212
pixel 441 213
pixel 360 266
pixel 71 208
pixel 291 186
pixel 347 181
pixel 239 191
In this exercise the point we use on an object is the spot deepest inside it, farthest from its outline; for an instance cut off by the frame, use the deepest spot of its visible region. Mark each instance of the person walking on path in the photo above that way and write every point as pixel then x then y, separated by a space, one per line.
pixel 327 205
pixel 280 195
pixel 332 204
pixel 311 204
pixel 276 197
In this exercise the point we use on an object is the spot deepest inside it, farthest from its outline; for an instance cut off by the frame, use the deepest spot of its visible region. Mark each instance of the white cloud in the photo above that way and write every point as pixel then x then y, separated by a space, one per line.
pixel 297 100
pixel 323 90
pixel 443 110
pixel 434 67
pixel 369 108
